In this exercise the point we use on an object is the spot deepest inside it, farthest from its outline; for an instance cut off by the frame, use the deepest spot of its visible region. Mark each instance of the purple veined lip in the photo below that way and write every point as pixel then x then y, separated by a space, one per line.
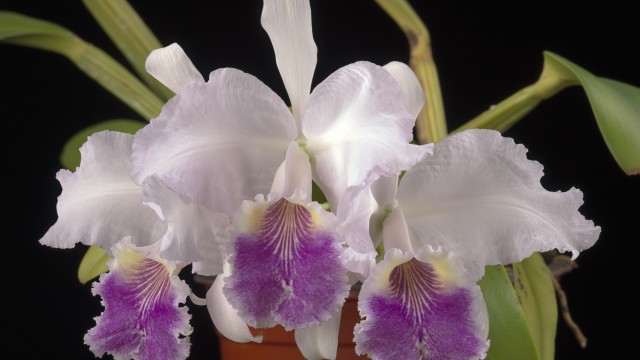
pixel 287 270
pixel 142 319
pixel 419 316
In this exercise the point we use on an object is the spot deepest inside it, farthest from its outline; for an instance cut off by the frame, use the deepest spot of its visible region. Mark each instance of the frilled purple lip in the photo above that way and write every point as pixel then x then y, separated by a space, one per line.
pixel 287 271
pixel 142 319
pixel 418 316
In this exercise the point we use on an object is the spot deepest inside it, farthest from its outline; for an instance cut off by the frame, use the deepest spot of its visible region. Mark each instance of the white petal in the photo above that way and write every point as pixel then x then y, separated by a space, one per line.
pixel 319 341
pixel 225 317
pixel 195 234
pixel 288 24
pixel 384 190
pixel 395 232
pixel 172 67
pixel 480 197
pixel 357 127
pixel 217 143
pixel 406 78
pixel 100 204
pixel 294 175
pixel 354 227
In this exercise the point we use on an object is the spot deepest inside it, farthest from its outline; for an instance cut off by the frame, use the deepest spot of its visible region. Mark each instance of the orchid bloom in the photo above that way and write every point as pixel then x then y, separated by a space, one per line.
pixel 101 205
pixel 142 318
pixel 184 185
pixel 228 140
pixel 478 201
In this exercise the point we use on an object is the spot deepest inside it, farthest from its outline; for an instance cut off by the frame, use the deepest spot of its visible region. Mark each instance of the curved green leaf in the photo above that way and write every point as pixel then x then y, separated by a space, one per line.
pixel 616 107
pixel 534 288
pixel 93 264
pixel 70 156
pixel 508 330
pixel 18 29
pixel 131 35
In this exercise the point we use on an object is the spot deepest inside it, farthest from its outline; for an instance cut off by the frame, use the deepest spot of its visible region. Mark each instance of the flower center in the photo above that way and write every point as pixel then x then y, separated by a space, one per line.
pixel 149 281
pixel 284 225
pixel 414 283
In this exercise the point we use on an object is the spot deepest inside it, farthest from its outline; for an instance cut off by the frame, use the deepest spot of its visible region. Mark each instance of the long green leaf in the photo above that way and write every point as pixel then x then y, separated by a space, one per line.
pixel 93 264
pixel 615 105
pixel 18 29
pixel 431 125
pixel 131 35
pixel 533 285
pixel 70 156
pixel 508 330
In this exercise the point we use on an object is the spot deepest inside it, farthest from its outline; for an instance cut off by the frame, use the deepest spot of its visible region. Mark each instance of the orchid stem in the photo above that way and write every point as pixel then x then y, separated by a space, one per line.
pixel 509 111
pixel 431 125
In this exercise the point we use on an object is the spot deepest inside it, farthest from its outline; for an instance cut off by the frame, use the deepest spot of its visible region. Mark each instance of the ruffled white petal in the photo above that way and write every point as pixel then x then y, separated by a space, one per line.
pixel 225 317
pixel 172 67
pixel 319 341
pixel 356 127
pixel 100 204
pixel 288 24
pixel 406 78
pixel 480 197
pixel 195 234
pixel 217 143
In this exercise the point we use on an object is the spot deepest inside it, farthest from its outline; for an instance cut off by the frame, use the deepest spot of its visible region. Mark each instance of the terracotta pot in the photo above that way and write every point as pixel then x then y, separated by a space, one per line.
pixel 278 344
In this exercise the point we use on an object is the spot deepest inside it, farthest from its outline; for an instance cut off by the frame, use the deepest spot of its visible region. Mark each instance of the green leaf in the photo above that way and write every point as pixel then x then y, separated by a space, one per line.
pixel 508 330
pixel 131 35
pixel 616 107
pixel 93 264
pixel 18 29
pixel 70 157
pixel 534 288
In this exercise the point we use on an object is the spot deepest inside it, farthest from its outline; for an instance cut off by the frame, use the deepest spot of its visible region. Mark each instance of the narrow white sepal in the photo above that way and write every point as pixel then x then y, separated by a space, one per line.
pixel 395 233
pixel 319 341
pixel 297 173
pixel 288 24
pixel 225 317
pixel 172 67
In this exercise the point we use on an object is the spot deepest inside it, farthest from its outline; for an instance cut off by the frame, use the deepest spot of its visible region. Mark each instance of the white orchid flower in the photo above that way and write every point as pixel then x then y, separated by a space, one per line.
pixel 182 179
pixel 478 201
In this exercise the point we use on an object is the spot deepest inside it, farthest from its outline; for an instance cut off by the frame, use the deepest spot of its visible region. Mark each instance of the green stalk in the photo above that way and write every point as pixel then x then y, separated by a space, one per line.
pixel 509 111
pixel 131 35
pixel 431 125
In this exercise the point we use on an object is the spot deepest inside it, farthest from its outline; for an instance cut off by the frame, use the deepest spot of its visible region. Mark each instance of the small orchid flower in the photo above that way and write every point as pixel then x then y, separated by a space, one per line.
pixel 142 318
pixel 478 200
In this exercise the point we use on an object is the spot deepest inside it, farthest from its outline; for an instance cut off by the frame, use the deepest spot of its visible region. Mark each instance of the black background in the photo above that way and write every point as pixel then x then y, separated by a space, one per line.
pixel 484 51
